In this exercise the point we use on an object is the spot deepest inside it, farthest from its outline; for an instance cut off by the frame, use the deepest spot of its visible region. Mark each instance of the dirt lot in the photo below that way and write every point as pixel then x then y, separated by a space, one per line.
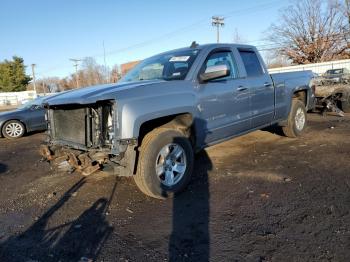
pixel 260 197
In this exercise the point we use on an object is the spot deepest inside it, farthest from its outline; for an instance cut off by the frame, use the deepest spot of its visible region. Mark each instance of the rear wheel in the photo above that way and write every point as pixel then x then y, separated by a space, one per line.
pixel 13 129
pixel 165 164
pixel 297 119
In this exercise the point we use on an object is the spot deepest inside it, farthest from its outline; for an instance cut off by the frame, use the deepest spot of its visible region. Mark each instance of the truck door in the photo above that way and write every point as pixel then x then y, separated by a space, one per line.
pixel 261 87
pixel 223 103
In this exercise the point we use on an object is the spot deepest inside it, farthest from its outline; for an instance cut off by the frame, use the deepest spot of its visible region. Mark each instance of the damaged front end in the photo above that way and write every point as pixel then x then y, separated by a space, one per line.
pixel 332 98
pixel 331 104
pixel 84 138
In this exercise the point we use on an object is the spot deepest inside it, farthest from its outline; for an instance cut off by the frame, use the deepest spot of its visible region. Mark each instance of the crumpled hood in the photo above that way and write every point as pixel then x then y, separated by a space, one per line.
pixel 92 94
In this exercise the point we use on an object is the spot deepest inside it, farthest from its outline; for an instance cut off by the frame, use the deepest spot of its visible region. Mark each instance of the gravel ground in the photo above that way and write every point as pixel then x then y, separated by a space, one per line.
pixel 260 197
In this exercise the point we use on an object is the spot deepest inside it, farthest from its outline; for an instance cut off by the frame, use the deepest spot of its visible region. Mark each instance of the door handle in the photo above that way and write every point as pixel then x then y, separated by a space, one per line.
pixel 267 84
pixel 241 88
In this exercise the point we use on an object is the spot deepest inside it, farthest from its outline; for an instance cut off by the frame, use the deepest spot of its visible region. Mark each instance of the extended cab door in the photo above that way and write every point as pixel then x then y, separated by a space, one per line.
pixel 261 87
pixel 223 103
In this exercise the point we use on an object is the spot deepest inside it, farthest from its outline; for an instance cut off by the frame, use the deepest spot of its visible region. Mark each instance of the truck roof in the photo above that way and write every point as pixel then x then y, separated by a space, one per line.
pixel 209 46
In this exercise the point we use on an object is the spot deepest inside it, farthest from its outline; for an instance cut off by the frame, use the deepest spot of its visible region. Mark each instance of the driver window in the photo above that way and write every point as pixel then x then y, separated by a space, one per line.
pixel 222 58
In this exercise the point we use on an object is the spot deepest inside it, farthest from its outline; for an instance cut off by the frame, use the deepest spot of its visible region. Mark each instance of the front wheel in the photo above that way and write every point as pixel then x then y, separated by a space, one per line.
pixel 297 119
pixel 13 129
pixel 165 164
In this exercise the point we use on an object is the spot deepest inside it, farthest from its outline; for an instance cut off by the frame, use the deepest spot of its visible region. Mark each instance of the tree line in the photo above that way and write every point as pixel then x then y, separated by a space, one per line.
pixel 13 77
pixel 90 73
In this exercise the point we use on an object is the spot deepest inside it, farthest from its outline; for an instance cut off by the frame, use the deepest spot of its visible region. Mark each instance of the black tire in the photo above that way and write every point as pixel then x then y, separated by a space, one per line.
pixel 13 125
pixel 146 177
pixel 345 104
pixel 294 127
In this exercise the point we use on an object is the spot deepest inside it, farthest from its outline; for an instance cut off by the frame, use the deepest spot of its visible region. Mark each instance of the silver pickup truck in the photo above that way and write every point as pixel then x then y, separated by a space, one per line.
pixel 150 124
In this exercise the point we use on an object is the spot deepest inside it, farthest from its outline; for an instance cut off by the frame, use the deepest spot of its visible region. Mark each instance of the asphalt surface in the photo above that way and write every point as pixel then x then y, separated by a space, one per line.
pixel 260 197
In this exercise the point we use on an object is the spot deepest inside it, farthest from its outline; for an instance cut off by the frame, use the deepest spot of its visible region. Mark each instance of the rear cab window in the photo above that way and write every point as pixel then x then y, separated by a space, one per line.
pixel 251 63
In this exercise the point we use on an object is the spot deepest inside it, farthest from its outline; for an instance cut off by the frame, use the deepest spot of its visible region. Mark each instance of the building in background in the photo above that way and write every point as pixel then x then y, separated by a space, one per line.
pixel 124 68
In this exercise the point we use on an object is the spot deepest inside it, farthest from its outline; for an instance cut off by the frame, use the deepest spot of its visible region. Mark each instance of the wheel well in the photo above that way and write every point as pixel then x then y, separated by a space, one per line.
pixel 182 122
pixel 301 95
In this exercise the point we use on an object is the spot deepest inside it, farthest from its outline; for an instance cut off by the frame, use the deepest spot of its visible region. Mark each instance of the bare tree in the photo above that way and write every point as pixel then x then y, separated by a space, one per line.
pixel 311 31
pixel 92 73
pixel 115 74
pixel 68 83
pixel 47 85
pixel 274 60
pixel 345 9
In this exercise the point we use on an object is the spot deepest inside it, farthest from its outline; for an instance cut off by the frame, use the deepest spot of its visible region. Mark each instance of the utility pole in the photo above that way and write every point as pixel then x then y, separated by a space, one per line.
pixel 33 73
pixel 217 21
pixel 104 59
pixel 43 85
pixel 76 64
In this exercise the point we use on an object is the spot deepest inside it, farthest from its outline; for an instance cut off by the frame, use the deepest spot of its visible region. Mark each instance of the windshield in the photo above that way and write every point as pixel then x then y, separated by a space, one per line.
pixel 169 66
pixel 29 104
pixel 334 71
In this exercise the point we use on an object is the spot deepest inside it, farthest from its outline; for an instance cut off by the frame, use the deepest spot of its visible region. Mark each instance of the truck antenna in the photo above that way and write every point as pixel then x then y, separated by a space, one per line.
pixel 194 44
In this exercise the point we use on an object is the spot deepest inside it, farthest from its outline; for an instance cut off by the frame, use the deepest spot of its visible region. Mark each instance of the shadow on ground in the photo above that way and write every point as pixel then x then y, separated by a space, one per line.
pixel 71 241
pixel 190 239
pixel 3 168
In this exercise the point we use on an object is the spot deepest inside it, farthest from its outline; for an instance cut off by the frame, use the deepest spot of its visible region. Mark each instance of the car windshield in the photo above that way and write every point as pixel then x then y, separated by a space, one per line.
pixel 168 66
pixel 335 71
pixel 34 102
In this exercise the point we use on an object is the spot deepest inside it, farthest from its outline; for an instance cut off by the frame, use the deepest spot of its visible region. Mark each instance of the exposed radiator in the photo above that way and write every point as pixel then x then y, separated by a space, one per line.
pixel 70 125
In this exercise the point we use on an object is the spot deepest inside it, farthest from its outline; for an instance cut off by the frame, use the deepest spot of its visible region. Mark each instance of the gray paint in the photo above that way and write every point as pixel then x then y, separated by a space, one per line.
pixel 221 109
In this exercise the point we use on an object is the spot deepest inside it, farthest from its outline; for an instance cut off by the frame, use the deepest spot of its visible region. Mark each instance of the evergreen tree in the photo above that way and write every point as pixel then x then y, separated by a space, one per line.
pixel 12 75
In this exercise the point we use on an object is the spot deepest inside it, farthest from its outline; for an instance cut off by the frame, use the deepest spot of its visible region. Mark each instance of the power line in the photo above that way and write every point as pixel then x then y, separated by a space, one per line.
pixel 325 39
pixel 259 8
pixel 192 26
pixel 262 47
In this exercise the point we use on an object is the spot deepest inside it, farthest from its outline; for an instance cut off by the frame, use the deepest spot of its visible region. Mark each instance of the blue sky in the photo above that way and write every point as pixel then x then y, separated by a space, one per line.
pixel 48 33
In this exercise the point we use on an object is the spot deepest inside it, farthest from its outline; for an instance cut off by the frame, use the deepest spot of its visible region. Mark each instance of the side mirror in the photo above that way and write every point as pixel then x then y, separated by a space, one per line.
pixel 215 72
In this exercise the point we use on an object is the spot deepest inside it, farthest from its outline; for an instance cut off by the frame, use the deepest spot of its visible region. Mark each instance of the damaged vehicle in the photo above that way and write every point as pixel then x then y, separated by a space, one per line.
pixel 333 98
pixel 29 117
pixel 336 76
pixel 170 106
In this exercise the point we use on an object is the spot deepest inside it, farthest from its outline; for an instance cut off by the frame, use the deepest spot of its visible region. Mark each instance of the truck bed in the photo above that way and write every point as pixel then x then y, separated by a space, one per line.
pixel 296 78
